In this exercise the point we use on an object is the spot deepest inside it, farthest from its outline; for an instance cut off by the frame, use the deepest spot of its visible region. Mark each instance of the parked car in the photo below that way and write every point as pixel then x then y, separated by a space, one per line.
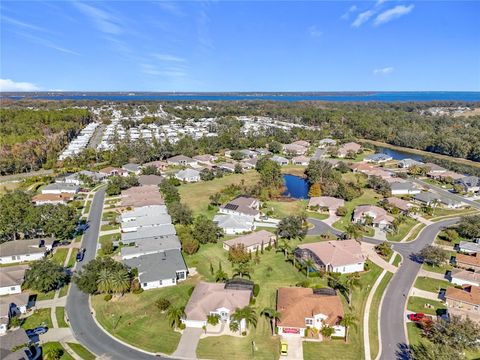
pixel 416 317
pixel 37 331
pixel 80 254
pixel 283 348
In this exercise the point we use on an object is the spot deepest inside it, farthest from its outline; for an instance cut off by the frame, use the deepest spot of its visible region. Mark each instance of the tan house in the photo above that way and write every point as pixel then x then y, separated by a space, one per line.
pixel 400 204
pixel 54 199
pixel 468 261
pixel 207 158
pixel 113 171
pixel 302 308
pixel 160 165
pixel 138 196
pixel 464 277
pixel 253 241
pixel 378 216
pixel 301 160
pixel 467 298
pixel 295 149
pixel 347 148
pixel 343 256
pixel 326 202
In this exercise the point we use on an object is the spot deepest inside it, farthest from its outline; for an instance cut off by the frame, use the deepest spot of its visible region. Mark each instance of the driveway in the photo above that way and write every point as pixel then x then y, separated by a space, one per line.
pixel 295 348
pixel 187 347
pixel 320 227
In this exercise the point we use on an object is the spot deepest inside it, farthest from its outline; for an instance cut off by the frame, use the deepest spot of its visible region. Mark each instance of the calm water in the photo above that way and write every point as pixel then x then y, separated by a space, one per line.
pixel 336 96
pixel 399 155
pixel 297 187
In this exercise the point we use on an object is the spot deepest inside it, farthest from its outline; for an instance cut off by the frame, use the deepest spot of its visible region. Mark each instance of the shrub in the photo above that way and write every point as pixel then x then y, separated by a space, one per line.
pixel 163 304
pixel 244 333
pixel 256 290
pixel 137 291
pixel 213 319
pixel 182 326
pixel 341 211
pixel 107 297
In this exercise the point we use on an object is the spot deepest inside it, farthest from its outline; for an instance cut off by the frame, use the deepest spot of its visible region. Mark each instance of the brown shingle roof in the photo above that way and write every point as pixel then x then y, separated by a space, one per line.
pixel 336 253
pixel 296 304
pixel 473 260
pixel 12 275
pixel 468 294
pixel 255 238
pixel 326 201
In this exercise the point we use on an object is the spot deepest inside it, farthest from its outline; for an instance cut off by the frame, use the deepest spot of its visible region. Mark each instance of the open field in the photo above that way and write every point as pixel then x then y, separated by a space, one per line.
pixel 285 208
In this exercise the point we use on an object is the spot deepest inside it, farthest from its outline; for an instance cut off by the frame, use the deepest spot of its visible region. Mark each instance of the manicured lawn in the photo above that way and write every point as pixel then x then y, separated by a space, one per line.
pixel 136 320
pixel 112 237
pixel 44 296
pixel 56 345
pixel 432 285
pixel 108 227
pixel 40 317
pixel 317 215
pixel 81 351
pixel 448 212
pixel 403 230
pixel 88 204
pixel 64 291
pixel 438 269
pixel 60 313
pixel 397 260
pixel 109 215
pixel 59 256
pixel 415 232
pixel 369 197
pixel 414 334
pixel 282 209
pixel 426 306
pixel 374 310
pixel 338 349
pixel 196 195
pixel 73 256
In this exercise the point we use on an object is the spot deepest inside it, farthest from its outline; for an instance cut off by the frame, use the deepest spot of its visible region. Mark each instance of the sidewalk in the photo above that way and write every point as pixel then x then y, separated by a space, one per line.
pixel 369 250
pixel 43 304
pixel 431 274
pixel 424 294
pixel 61 335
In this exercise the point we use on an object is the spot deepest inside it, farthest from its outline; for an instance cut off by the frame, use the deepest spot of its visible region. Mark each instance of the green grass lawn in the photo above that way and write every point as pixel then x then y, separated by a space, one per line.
pixel 59 256
pixel 43 296
pixel 60 313
pixel 73 256
pixel 353 349
pixel 447 212
pixel 374 311
pixel 297 170
pixel 369 197
pixel 282 209
pixel 397 260
pixel 108 227
pixel 136 320
pixel 196 195
pixel 81 351
pixel 56 345
pixel 403 230
pixel 442 269
pixel 432 285
pixel 109 215
pixel 64 291
pixel 426 306
pixel 88 204
pixel 317 215
pixel 40 317
pixel 415 232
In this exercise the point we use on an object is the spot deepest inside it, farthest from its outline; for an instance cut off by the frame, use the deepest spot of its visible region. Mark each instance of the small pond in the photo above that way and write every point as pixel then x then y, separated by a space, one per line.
pixel 296 187
pixel 397 154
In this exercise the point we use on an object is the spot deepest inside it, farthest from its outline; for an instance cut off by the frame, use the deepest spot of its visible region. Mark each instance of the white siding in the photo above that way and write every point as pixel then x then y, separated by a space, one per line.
pixel 347 269
pixel 20 258
pixel 8 290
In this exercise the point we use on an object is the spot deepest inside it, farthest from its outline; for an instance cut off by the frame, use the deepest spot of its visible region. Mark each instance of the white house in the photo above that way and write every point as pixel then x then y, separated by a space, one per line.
pixel 188 175
pixel 404 188
pixel 148 221
pixel 378 216
pixel 242 205
pixel 235 224
pixel 59 188
pixel 11 279
pixel 465 277
pixel 23 250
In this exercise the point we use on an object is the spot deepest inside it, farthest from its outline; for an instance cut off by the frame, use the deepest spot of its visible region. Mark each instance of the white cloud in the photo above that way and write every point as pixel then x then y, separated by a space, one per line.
pixel 22 24
pixel 169 57
pixel 363 18
pixel 350 10
pixel 314 31
pixel 380 2
pixel 10 85
pixel 170 7
pixel 392 13
pixel 47 43
pixel 103 21
pixel 383 71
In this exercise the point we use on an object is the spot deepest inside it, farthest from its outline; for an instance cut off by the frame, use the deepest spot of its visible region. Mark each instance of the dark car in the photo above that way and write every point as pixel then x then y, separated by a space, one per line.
pixel 80 254
pixel 37 331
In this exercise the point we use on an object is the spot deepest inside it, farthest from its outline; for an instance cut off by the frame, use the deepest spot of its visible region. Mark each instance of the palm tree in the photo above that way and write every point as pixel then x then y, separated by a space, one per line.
pixel 347 321
pixel 52 353
pixel 327 331
pixel 120 281
pixel 104 281
pixel 175 315
pixel 273 315
pixel 308 263
pixel 221 276
pixel 248 313
pixel 243 269
pixel 234 326
pixel 352 280
pixel 284 247
pixel 353 231
pixel 335 282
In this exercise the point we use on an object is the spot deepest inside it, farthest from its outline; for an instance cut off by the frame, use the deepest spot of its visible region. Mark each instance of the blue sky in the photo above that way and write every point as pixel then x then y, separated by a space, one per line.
pixel 240 46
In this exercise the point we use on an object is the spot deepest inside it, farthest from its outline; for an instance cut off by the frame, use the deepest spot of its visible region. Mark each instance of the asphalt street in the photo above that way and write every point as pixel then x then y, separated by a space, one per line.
pixel 83 326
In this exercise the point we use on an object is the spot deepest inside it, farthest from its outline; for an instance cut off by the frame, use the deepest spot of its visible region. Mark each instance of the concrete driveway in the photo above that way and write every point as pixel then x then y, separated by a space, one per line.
pixel 187 347
pixel 295 348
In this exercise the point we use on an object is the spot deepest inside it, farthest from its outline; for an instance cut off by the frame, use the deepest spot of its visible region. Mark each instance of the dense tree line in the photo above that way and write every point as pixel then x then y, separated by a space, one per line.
pixel 30 138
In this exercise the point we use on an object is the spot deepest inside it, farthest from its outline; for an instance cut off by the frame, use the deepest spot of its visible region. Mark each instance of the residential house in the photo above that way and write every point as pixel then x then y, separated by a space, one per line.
pixel 249 153
pixel 431 199
pixel 54 199
pixel 14 345
pixel 252 241
pixel 242 205
pixel 447 175
pixel 434 168
pixel 113 171
pixel 280 160
pixel 334 256
pixel 132 168
pixel 188 175
pixel 469 262
pixel 403 205
pixel 143 211
pixel 181 160
pixel 377 215
pixel 139 196
pixel 466 299
pixel 60 188
pixel 148 232
pixel 12 305
pixel 215 299
pixel 151 220
pixel 234 223
pixel 262 152
pixel 464 277
pixel 347 148
pixel 150 180
pixel 407 163
pixel 160 269
pixel 302 143
pixel 326 142
pixel 300 160
pixel 227 166
pixel 404 188
pixel 151 245
pixel 302 308
pixel 11 279
pixel 160 165
pixel 319 154
pixel 207 158
pixel 470 183
pixel 24 250
pixel 377 158
pixel 469 247
pixel 326 202
pixel 248 164
pixel 295 149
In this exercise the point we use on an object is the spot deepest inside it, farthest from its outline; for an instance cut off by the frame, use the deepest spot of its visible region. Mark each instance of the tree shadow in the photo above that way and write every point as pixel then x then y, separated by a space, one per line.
pixel 404 352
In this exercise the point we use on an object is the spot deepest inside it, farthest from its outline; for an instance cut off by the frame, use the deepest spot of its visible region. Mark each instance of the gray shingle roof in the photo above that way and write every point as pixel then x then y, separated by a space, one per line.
pixel 156 231
pixel 151 245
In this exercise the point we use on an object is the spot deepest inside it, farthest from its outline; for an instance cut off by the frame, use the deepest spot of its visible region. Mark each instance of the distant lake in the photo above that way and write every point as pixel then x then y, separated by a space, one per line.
pixel 387 96
pixel 297 187
pixel 398 154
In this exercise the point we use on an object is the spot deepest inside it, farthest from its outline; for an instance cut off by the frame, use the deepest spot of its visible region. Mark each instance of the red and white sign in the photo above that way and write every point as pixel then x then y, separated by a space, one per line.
pixel 291 330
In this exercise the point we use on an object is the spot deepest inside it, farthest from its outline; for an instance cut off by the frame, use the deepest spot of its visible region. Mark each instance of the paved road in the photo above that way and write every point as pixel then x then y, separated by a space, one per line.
pixel 319 228
pixel 187 347
pixel 392 312
pixel 81 320
pixel 447 193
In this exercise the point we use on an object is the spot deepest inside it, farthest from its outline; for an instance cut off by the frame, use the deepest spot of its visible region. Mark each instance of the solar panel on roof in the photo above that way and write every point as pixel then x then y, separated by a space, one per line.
pixel 231 207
